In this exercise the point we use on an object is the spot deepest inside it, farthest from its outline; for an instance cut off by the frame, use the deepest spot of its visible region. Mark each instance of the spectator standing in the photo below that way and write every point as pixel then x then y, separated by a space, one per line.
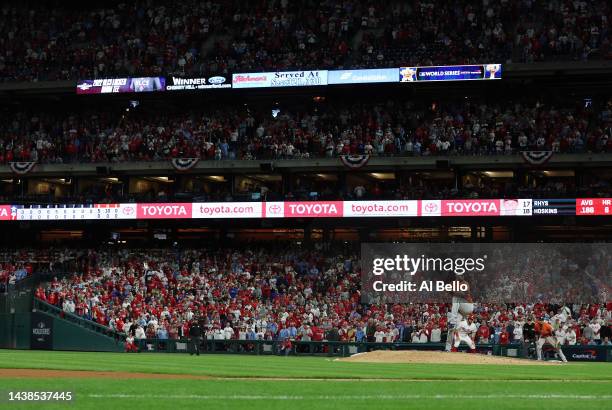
pixel 528 336
pixel 195 338
pixel 436 334
pixel 588 333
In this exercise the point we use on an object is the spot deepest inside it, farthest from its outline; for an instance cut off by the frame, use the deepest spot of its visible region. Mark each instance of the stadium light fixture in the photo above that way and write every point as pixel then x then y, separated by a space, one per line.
pixel 383 175
pixel 499 174
pixel 218 178
pixel 164 180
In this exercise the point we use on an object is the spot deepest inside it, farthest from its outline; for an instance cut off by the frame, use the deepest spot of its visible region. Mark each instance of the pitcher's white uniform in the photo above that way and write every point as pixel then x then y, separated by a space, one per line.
pixel 464 333
pixel 460 310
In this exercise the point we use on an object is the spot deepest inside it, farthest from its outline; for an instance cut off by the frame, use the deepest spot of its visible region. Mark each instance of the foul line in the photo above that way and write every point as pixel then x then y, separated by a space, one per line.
pixel 388 379
pixel 355 397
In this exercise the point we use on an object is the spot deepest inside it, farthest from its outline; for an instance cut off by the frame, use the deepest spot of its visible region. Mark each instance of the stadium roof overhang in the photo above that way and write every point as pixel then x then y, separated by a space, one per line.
pixel 311 165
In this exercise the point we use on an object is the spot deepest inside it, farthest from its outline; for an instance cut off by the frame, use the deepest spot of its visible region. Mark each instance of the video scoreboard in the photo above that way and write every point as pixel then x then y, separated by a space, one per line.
pixel 594 206
pixel 554 206
pixel 573 206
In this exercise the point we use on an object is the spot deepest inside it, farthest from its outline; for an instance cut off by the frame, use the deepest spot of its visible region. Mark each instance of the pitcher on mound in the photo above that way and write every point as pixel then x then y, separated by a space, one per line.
pixel 461 308
pixel 465 332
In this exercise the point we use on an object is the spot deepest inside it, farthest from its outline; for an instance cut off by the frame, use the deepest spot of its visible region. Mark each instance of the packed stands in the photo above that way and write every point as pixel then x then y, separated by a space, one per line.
pixel 254 294
pixel 62 40
pixel 389 128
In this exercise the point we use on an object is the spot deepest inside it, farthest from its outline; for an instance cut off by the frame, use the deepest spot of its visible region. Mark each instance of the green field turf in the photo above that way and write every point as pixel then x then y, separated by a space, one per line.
pixel 309 383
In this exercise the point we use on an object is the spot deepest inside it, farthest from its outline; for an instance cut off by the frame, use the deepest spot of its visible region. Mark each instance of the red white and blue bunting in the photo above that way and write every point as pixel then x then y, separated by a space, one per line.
pixel 536 157
pixel 21 168
pixel 354 161
pixel 184 164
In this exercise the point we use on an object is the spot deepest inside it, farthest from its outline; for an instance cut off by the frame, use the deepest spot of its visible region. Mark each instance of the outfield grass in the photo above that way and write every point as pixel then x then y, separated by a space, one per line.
pixel 571 386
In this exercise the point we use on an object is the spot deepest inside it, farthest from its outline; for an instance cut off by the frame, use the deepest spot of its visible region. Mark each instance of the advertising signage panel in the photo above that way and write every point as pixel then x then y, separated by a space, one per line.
pixel 199 83
pixel 377 75
pixel 227 210
pixel 450 73
pixel 311 209
pixel 380 208
pixel 121 85
pixel 299 78
pixel 308 78
pixel 476 207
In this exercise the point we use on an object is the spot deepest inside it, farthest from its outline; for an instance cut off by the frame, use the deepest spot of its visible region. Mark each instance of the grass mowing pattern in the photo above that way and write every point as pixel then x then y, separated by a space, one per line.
pixel 452 386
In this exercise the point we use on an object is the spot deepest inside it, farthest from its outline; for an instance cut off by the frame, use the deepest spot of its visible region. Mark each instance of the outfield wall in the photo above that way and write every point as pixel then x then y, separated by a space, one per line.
pixel 345 349
pixel 39 330
pixel 15 330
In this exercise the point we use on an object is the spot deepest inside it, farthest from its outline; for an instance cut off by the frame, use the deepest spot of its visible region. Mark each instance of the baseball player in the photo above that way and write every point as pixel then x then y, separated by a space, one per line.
pixel 545 333
pixel 461 308
pixel 465 332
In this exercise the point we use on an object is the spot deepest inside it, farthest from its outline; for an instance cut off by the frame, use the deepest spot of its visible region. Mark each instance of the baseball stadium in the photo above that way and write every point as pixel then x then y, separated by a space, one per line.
pixel 305 204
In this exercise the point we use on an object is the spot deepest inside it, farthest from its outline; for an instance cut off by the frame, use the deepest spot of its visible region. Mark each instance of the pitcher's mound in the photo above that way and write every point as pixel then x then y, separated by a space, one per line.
pixel 420 356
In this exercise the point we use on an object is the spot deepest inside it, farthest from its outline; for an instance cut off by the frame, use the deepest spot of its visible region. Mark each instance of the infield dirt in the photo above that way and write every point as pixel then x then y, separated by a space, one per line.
pixel 380 356
pixel 414 356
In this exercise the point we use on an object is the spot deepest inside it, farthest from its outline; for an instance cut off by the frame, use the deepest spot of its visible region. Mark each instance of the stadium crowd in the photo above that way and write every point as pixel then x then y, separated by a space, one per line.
pixel 254 294
pixel 378 128
pixel 56 40
pixel 16 265
pixel 10 274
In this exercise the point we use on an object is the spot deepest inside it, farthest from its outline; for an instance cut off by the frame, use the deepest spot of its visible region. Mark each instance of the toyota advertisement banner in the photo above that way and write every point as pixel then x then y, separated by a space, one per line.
pixel 314 209
pixel 476 207
pixel 380 208
pixel 229 210
pixel 165 211
pixel 302 209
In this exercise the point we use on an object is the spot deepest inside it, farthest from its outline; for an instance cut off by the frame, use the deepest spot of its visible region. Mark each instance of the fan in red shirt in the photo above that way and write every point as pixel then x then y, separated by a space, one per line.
pixel 483 333
pixel 503 337
pixel 317 333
